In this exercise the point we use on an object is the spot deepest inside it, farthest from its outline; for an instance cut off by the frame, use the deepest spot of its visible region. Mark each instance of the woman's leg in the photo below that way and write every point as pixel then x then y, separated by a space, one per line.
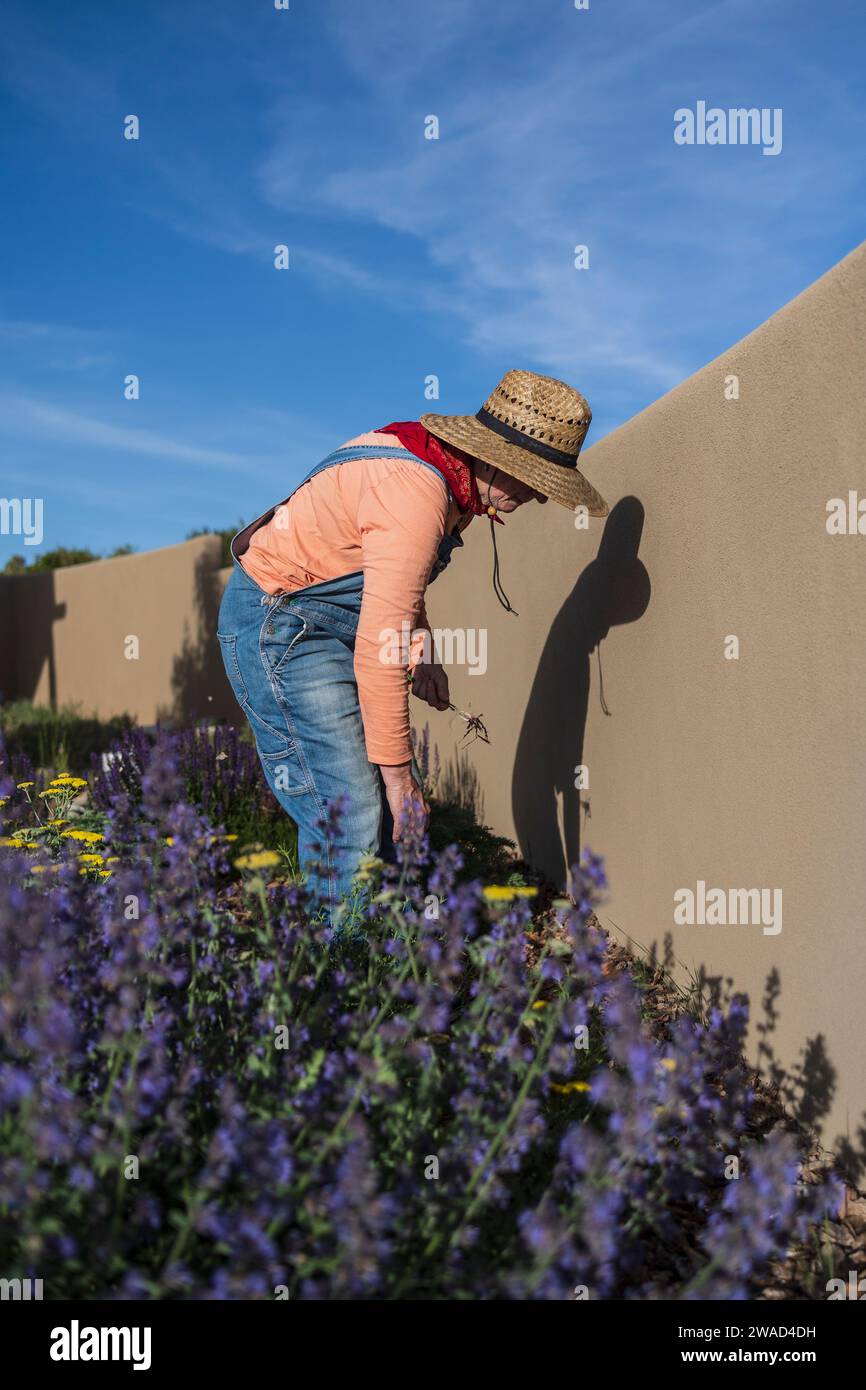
pixel 295 682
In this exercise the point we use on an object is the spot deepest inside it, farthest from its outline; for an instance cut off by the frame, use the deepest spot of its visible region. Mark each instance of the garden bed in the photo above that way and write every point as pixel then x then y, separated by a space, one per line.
pixel 205 1094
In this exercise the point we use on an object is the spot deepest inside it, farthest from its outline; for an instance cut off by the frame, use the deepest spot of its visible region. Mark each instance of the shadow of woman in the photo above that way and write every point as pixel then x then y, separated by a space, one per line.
pixel 613 589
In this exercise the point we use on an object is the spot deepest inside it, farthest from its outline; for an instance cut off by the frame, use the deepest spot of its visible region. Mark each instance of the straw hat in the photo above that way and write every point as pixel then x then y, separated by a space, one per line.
pixel 531 427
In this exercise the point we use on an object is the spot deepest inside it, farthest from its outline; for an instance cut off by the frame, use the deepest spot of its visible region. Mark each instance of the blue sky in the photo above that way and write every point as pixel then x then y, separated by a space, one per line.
pixel 409 257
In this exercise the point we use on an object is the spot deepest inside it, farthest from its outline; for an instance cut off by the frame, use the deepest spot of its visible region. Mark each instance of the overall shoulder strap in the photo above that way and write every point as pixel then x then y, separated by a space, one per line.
pixel 241 541
pixel 374 451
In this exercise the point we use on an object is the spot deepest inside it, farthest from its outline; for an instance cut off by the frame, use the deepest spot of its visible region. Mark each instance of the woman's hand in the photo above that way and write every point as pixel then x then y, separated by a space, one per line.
pixel 405 798
pixel 430 683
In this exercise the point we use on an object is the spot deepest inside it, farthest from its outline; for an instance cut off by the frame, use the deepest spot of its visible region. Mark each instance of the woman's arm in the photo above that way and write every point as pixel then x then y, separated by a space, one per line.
pixel 401 522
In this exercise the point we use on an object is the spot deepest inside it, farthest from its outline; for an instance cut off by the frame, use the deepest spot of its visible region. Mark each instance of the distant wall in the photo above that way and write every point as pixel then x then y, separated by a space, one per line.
pixel 746 773
pixel 66 635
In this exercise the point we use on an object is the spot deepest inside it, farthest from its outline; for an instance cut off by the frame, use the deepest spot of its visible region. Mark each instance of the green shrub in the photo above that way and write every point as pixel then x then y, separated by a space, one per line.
pixel 61 739
pixel 486 855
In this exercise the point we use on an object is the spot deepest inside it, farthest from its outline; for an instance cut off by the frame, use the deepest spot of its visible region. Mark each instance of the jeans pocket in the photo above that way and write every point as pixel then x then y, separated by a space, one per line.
pixel 271 741
pixel 283 634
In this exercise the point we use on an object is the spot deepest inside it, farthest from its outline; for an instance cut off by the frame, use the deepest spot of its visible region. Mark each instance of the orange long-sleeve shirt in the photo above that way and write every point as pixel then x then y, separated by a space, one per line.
pixel 385 516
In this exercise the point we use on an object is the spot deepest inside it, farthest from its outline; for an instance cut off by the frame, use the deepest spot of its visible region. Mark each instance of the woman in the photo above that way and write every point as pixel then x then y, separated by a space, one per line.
pixel 322 582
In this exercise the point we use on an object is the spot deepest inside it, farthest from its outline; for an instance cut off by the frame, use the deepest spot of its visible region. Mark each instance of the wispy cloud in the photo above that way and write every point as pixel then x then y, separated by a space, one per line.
pixel 573 147
pixel 42 75
pixel 268 441
pixel 62 347
pixel 33 418
pixel 553 133
pixel 498 203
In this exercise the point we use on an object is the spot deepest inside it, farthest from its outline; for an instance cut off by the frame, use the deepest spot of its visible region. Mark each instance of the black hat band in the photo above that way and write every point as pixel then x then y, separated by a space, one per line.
pixel 526 441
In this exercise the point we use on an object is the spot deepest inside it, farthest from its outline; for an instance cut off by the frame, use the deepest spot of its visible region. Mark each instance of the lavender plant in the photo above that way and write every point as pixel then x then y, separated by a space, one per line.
pixel 219 773
pixel 199 1101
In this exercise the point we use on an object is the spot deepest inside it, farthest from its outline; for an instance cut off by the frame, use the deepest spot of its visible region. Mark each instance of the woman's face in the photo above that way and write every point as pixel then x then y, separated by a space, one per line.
pixel 500 490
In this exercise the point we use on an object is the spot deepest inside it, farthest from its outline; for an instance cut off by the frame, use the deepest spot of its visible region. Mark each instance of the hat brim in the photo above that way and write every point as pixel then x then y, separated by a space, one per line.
pixel 567 486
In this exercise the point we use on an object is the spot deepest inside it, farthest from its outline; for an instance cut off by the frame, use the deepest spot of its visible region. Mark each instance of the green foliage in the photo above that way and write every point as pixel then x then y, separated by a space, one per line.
pixel 61 739
pixel 61 558
pixel 486 855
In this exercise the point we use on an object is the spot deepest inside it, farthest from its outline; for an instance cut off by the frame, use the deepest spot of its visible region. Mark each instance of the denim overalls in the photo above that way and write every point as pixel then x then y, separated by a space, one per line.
pixel 290 661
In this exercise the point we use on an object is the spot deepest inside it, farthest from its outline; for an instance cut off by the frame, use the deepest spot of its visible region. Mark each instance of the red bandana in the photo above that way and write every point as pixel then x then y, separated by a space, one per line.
pixel 452 463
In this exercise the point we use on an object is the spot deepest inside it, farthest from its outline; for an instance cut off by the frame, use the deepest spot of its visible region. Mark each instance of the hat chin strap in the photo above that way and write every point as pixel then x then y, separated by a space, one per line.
pixel 492 514
pixel 497 583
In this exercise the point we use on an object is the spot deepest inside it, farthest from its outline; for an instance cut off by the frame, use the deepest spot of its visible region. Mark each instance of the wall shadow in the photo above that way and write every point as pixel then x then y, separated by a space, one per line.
pixel 803 1091
pixel 28 611
pixel 200 688
pixel 613 589
pixel 808 1087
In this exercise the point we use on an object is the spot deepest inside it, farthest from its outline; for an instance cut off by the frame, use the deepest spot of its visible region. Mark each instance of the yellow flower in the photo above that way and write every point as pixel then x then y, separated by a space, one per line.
pixel 105 873
pixel 231 837
pixel 24 784
pixel 89 837
pixel 500 893
pixel 262 859
pixel 12 840
pixel 38 868
pixel 569 1086
pixel 169 839
pixel 57 820
pixel 669 1063
pixel 113 859
pixel 91 859
pixel 368 866
pixel 540 1004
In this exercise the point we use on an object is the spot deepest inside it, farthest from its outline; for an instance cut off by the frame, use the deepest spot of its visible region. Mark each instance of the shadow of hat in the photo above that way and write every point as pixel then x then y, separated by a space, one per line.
pixel 614 589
